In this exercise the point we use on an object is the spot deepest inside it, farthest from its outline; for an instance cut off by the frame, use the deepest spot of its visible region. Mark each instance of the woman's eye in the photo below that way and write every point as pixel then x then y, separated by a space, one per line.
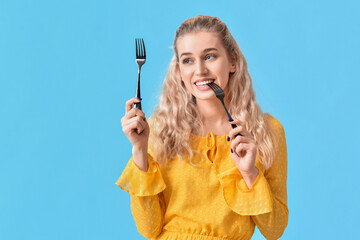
pixel 187 61
pixel 208 57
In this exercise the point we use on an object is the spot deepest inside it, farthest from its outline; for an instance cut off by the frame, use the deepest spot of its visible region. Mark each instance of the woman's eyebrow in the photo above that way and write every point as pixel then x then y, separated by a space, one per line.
pixel 204 51
pixel 185 53
pixel 209 49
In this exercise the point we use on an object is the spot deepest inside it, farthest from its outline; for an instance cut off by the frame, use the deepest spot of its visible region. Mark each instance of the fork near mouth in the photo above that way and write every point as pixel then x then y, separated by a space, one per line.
pixel 140 60
pixel 220 94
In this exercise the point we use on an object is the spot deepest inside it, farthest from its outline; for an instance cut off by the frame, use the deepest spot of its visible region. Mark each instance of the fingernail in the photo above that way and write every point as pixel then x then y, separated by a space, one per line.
pixel 230 119
pixel 228 139
pixel 232 151
pixel 139 98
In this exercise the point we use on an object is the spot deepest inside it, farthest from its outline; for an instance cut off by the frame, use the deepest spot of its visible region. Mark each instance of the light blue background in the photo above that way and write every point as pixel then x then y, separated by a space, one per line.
pixel 67 68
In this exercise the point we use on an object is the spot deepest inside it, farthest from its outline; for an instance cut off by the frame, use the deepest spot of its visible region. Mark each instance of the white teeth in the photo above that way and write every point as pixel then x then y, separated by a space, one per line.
pixel 203 82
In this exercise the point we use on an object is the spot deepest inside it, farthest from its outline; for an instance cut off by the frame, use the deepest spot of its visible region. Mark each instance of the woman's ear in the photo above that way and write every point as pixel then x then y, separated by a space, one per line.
pixel 233 62
pixel 233 68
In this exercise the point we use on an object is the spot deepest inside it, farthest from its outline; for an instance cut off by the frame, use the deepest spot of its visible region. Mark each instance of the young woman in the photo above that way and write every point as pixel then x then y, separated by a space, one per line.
pixel 190 176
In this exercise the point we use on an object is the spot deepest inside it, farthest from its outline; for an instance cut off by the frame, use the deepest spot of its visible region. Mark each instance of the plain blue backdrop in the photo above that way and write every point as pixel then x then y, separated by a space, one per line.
pixel 67 68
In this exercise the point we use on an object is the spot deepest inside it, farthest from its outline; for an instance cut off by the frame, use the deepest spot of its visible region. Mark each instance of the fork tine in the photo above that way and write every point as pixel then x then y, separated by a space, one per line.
pixel 211 86
pixel 143 44
pixel 141 48
pixel 137 49
pixel 139 44
pixel 214 86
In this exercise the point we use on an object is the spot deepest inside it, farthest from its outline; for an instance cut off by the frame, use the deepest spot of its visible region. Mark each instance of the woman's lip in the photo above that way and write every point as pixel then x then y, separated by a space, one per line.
pixel 204 84
pixel 202 87
pixel 204 79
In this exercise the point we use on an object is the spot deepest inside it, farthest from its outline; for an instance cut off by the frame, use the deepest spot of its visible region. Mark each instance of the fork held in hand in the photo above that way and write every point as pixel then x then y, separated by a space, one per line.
pixel 140 60
pixel 220 94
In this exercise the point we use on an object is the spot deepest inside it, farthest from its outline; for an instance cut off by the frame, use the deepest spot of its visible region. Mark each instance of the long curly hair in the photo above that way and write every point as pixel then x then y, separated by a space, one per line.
pixel 177 116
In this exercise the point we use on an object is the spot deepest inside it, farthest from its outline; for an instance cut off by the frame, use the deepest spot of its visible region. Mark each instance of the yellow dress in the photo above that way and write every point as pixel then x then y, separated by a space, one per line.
pixel 210 200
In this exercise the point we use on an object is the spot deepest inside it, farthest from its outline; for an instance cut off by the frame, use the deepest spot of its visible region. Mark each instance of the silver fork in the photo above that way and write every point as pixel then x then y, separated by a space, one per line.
pixel 140 60
pixel 220 94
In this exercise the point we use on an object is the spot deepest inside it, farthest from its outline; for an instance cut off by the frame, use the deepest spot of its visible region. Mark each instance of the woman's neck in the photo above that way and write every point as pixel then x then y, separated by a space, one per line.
pixel 213 116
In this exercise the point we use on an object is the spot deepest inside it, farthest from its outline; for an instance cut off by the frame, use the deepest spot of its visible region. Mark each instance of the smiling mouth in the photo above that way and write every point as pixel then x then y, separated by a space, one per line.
pixel 204 83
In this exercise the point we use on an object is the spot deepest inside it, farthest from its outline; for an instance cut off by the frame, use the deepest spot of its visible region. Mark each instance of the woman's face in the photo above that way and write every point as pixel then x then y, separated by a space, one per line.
pixel 203 58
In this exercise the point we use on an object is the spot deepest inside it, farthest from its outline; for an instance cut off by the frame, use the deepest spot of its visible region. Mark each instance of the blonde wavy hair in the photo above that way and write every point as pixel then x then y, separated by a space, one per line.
pixel 177 116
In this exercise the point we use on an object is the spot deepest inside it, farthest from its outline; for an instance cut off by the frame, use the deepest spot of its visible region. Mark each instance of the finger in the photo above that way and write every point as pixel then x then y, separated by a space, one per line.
pixel 240 129
pixel 130 131
pixel 238 140
pixel 133 127
pixel 237 122
pixel 141 124
pixel 138 119
pixel 132 113
pixel 129 103
pixel 242 149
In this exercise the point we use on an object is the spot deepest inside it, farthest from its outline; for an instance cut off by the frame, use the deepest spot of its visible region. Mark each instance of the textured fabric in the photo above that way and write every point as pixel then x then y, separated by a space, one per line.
pixel 210 200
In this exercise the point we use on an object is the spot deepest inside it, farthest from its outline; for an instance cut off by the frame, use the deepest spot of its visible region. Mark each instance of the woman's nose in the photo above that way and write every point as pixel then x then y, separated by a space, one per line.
pixel 201 68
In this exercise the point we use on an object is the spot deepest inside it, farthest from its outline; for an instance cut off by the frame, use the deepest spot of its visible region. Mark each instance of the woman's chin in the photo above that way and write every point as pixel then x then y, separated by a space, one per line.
pixel 210 95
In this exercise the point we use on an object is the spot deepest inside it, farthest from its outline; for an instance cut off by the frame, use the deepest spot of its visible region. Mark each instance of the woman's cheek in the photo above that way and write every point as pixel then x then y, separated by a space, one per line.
pixel 187 74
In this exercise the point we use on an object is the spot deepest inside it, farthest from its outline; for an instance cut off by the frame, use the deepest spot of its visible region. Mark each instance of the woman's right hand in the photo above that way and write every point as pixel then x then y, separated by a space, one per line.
pixel 135 126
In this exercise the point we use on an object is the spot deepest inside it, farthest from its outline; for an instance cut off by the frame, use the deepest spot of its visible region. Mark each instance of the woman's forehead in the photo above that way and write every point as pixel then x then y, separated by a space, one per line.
pixel 198 41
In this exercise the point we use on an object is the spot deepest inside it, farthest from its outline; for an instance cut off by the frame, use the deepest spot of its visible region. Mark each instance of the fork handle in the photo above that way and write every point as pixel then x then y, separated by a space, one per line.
pixel 234 126
pixel 230 118
pixel 138 105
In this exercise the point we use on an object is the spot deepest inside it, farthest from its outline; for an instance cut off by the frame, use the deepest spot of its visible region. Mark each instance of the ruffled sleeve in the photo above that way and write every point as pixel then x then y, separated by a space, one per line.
pixel 147 201
pixel 266 201
pixel 140 183
pixel 242 200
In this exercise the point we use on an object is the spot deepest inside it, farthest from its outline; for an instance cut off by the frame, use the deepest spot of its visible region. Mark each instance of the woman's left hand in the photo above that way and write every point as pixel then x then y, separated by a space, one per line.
pixel 244 149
